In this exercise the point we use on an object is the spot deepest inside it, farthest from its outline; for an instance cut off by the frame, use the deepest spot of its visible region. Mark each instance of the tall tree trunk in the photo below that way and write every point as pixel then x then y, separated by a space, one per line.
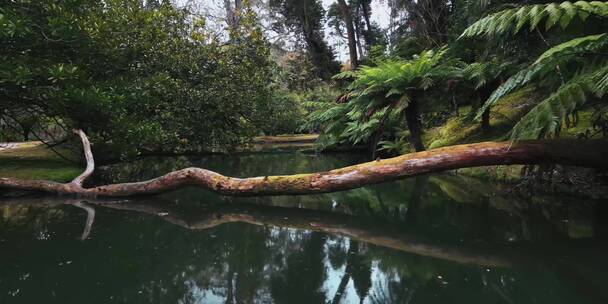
pixel 358 33
pixel 414 124
pixel 576 152
pixel 233 13
pixel 455 105
pixel 350 31
pixel 366 17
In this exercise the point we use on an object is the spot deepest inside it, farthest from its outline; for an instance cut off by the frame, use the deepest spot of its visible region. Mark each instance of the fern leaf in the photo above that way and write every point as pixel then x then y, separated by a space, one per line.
pixel 546 64
pixel 574 47
pixel 531 16
pixel 516 81
pixel 569 13
pixel 547 117
pixel 554 14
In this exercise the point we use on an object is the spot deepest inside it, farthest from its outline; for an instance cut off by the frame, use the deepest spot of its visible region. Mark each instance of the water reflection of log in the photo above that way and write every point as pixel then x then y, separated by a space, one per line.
pixel 90 218
pixel 359 228
pixel 364 229
pixel 355 227
pixel 542 255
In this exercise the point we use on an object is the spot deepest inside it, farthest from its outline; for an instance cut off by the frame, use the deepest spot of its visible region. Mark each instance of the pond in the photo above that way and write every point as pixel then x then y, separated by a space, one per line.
pixel 431 239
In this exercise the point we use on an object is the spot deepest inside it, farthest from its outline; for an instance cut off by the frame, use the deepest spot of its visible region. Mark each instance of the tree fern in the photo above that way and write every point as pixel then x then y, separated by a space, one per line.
pixel 514 82
pixel 547 63
pixel 480 73
pixel 532 16
pixel 573 48
pixel 379 95
pixel 546 118
pixel 576 68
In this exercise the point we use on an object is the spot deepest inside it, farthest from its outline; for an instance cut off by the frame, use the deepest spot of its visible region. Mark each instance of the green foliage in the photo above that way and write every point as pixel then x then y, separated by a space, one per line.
pixel 427 21
pixel 532 16
pixel 483 73
pixel 304 18
pixel 285 114
pixel 574 69
pixel 546 118
pixel 378 96
pixel 569 53
pixel 136 78
pixel 297 72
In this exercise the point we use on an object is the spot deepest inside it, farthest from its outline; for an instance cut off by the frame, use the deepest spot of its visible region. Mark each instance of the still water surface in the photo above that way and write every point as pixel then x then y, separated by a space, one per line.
pixel 432 239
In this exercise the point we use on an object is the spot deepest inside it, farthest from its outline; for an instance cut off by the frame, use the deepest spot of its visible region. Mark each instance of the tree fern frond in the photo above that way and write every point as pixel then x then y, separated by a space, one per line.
pixel 381 93
pixel 345 75
pixel 601 86
pixel 546 118
pixel 547 63
pixel 531 16
pixel 554 14
pixel 514 82
pixel 591 43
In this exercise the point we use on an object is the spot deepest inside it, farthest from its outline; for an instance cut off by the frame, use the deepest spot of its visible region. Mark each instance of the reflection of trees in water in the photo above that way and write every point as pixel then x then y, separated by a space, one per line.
pixel 29 219
pixel 280 258
pixel 358 269
pixel 337 247
pixel 435 200
pixel 302 278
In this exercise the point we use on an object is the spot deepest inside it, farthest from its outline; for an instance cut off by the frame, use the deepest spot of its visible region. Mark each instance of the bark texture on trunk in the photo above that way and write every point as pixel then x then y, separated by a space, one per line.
pixel 577 152
pixel 350 32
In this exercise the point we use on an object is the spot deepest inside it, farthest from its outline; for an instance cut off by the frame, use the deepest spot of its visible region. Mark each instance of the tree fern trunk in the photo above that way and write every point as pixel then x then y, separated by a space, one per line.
pixel 486 92
pixel 412 116
pixel 485 120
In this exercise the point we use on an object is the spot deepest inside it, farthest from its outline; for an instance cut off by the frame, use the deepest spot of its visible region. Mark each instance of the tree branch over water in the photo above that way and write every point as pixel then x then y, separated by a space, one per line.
pixel 578 152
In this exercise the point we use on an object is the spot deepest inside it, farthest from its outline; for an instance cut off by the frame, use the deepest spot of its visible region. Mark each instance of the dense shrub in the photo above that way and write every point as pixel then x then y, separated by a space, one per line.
pixel 136 78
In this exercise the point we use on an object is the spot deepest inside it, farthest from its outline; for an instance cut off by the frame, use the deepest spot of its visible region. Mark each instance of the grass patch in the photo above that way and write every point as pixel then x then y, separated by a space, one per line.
pixel 33 160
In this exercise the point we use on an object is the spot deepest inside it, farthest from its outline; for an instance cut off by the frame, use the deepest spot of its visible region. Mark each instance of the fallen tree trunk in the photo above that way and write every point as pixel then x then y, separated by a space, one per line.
pixel 577 152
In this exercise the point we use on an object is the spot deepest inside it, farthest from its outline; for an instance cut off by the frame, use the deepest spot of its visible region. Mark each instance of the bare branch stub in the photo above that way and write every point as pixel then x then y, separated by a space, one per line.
pixel 88 154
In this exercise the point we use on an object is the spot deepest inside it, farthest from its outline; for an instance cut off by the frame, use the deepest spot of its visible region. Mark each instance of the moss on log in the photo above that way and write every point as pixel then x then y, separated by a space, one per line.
pixel 577 152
